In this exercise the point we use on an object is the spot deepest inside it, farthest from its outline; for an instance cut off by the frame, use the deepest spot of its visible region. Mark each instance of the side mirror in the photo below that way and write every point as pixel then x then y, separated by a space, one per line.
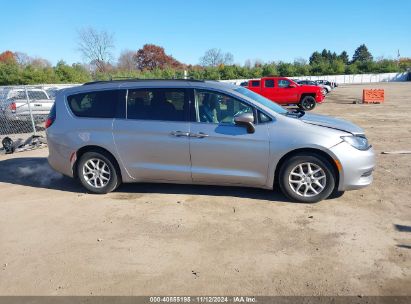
pixel 292 85
pixel 246 120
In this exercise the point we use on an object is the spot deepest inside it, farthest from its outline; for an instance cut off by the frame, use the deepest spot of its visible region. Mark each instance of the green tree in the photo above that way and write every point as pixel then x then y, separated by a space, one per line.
pixel 287 69
pixel 344 57
pixel 35 75
pixel 366 67
pixel 351 69
pixel 227 71
pixel 71 74
pixel 211 73
pixel 9 73
pixel 256 72
pixel 362 54
pixel 315 58
pixel 386 66
pixel 270 70
pixel 301 67
pixel 337 67
pixel 404 64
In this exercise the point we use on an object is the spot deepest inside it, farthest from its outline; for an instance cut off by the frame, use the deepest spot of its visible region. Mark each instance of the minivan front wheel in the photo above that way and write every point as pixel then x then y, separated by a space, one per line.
pixel 307 178
pixel 97 173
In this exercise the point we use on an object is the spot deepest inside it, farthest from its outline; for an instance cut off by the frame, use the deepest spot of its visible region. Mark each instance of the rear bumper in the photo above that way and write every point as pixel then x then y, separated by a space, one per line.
pixel 59 155
pixel 24 117
pixel 356 166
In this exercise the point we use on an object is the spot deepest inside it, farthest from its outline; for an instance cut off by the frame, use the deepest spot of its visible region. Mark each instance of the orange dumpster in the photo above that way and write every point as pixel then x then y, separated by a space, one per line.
pixel 373 96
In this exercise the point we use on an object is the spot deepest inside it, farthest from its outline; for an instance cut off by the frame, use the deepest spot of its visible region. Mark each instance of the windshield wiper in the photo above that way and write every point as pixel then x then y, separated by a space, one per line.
pixel 300 112
pixel 296 113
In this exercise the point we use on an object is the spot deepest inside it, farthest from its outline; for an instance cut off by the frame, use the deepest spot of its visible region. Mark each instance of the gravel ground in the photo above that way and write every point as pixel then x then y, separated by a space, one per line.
pixel 148 239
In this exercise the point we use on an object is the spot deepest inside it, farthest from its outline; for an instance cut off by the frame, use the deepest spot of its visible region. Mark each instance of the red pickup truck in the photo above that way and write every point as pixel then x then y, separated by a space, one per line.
pixel 284 91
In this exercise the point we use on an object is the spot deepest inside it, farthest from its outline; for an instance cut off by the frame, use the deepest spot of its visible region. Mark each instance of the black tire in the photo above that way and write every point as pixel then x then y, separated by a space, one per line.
pixel 307 103
pixel 336 194
pixel 315 161
pixel 111 181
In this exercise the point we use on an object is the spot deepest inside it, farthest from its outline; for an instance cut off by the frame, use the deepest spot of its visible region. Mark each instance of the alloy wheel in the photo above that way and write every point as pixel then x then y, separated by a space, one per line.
pixel 307 104
pixel 96 173
pixel 307 179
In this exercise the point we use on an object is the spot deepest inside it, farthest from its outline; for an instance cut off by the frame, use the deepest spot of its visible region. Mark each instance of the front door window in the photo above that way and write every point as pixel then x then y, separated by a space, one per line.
pixel 213 107
pixel 282 83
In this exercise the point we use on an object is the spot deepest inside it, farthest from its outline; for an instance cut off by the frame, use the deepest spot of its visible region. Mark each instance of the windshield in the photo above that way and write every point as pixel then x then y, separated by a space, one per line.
pixel 262 100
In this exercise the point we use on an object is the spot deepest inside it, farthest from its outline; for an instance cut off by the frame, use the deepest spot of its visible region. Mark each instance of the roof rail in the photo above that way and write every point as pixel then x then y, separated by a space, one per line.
pixel 139 80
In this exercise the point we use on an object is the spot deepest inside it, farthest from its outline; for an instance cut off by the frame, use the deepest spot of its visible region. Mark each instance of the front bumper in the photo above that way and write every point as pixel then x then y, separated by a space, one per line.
pixel 356 166
pixel 319 97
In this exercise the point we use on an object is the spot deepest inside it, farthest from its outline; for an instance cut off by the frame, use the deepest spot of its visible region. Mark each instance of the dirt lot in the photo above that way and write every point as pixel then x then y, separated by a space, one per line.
pixel 195 240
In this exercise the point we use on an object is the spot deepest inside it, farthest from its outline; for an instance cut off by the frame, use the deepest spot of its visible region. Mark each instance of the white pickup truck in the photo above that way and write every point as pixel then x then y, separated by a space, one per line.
pixel 15 106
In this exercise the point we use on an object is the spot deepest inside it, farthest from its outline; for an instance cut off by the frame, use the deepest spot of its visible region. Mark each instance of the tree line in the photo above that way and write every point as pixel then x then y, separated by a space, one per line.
pixel 151 61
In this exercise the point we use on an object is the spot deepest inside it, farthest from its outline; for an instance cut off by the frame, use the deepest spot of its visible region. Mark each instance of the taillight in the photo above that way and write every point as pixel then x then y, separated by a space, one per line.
pixel 13 107
pixel 49 122
pixel 52 116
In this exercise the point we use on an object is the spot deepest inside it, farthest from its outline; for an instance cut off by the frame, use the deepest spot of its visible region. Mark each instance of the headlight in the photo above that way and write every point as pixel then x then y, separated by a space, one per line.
pixel 358 142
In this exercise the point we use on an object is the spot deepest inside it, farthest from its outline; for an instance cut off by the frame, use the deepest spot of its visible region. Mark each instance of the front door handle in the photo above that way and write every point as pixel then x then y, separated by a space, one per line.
pixel 199 135
pixel 180 133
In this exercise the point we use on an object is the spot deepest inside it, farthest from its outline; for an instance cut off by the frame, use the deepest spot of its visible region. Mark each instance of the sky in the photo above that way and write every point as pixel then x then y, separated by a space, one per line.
pixel 257 30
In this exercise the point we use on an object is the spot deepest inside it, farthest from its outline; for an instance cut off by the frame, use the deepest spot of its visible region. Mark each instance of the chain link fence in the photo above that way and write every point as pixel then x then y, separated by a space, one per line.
pixel 23 112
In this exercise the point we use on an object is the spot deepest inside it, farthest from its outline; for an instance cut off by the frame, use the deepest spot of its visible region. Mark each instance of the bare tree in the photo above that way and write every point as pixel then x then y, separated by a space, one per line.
pixel 40 62
pixel 215 57
pixel 258 62
pixel 22 58
pixel 248 63
pixel 300 61
pixel 252 63
pixel 228 58
pixel 126 61
pixel 96 47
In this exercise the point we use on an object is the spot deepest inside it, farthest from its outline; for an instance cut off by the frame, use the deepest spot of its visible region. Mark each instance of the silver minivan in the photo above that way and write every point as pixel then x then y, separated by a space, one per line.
pixel 202 132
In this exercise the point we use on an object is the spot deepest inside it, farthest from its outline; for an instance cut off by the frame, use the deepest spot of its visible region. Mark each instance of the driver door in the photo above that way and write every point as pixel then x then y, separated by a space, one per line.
pixel 288 94
pixel 221 151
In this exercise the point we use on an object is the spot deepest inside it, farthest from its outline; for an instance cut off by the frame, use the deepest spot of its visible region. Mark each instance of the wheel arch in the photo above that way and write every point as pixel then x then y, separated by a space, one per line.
pixel 333 162
pixel 92 148
pixel 306 94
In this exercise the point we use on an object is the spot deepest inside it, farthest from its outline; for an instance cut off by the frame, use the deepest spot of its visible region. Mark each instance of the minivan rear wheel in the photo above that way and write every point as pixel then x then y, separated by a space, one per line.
pixel 307 178
pixel 97 172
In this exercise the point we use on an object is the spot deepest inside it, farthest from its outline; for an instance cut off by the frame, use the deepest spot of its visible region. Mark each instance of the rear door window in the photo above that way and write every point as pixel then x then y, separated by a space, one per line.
pixel 255 83
pixel 98 104
pixel 269 83
pixel 158 104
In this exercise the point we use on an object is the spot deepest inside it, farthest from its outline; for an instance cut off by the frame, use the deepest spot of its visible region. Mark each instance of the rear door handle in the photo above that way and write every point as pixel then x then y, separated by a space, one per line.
pixel 179 133
pixel 199 135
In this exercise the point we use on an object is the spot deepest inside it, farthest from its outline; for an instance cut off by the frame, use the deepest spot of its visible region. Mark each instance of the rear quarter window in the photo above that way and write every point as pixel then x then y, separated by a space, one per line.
pixel 98 104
